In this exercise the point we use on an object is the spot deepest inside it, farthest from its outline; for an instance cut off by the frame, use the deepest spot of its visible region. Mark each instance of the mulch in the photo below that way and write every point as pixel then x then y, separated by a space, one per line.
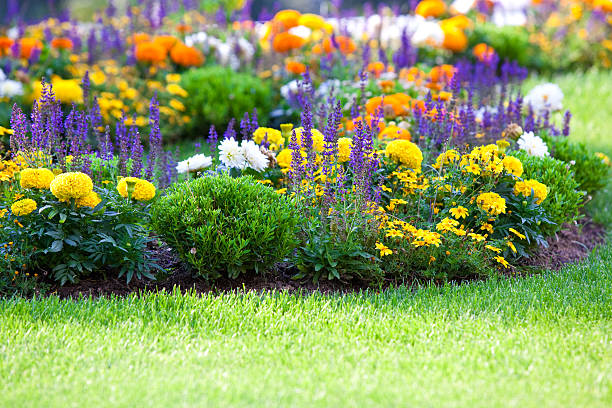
pixel 570 245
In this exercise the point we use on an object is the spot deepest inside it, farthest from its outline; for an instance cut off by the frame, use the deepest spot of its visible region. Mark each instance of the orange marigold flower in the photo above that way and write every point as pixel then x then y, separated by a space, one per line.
pixel 27 45
pixel 150 52
pixel 483 52
pixel 186 56
pixel 183 28
pixel 442 73
pixel 138 38
pixel 431 8
pixel 454 38
pixel 285 42
pixel 287 18
pixel 62 43
pixel 295 67
pixel 166 41
pixel 395 132
pixel 5 45
pixel 345 44
pixel 376 68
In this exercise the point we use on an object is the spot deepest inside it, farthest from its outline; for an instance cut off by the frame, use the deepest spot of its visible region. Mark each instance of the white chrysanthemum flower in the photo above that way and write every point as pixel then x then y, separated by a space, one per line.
pixel 545 97
pixel 532 144
pixel 10 88
pixel 194 163
pixel 2 75
pixel 290 89
pixel 510 12
pixel 301 31
pixel 231 154
pixel 428 33
pixel 255 159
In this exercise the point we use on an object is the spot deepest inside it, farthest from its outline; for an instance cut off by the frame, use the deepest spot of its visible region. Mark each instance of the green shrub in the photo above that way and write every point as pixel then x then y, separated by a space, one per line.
pixel 67 242
pixel 217 94
pixel 224 226
pixel 564 198
pixel 591 173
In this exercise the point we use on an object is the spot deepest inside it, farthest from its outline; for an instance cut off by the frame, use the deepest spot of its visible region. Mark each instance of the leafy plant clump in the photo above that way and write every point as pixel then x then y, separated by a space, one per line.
pixel 218 94
pixel 223 226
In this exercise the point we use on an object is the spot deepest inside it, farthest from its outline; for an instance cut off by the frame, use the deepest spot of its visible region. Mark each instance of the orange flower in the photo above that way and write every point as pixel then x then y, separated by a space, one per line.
pixel 431 8
pixel 62 43
pixel 454 38
pixel 295 67
pixel 442 73
pixel 376 68
pixel 392 105
pixel 483 52
pixel 138 38
pixel 150 52
pixel 183 28
pixel 386 85
pixel 395 132
pixel 5 45
pixel 285 42
pixel 345 44
pixel 27 45
pixel 186 56
pixel 350 124
pixel 604 5
pixel 287 18
pixel 166 41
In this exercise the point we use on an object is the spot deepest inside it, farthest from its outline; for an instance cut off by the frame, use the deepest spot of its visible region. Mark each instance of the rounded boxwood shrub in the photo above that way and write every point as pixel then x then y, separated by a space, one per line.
pixel 564 198
pixel 218 94
pixel 224 226
pixel 590 171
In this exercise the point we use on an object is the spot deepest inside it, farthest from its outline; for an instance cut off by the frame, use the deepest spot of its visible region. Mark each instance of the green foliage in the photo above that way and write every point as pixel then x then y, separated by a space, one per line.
pixel 509 42
pixel 591 173
pixel 68 242
pixel 217 94
pixel 564 198
pixel 223 226
pixel 338 243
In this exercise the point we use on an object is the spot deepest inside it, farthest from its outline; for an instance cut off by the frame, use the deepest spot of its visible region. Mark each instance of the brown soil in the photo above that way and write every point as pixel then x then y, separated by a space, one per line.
pixel 573 243
pixel 570 245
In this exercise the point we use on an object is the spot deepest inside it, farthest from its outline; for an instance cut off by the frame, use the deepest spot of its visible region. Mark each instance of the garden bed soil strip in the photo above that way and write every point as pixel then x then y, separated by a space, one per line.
pixel 572 244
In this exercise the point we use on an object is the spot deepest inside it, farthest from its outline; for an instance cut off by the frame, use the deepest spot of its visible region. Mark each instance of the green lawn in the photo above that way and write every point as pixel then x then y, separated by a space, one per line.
pixel 543 341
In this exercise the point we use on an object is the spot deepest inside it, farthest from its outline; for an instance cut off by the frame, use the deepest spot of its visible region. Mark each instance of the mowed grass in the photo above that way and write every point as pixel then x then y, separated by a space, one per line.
pixel 542 341
pixel 537 342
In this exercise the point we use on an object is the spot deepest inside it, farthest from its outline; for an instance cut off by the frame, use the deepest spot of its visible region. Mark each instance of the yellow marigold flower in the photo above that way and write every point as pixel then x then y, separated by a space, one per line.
pixel 317 138
pixel 345 145
pixel 405 152
pixel 528 188
pixel 384 250
pixel 283 158
pixel 90 200
pixel 5 131
pixel 476 237
pixel 36 178
pixel 3 212
pixel 492 203
pixel 487 227
pixel 394 234
pixel 513 166
pixel 173 78
pixel 502 261
pixel 447 224
pixel 177 105
pixel 273 136
pixel 515 232
pixel 511 246
pixel 143 190
pixel 66 90
pixel 459 212
pixel 23 207
pixel 176 89
pixel 71 185
pixel 492 248
pixel 448 157
pixel 281 191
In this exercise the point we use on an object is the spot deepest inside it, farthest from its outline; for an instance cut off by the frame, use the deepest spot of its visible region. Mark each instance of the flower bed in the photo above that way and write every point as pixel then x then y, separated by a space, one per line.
pixel 370 170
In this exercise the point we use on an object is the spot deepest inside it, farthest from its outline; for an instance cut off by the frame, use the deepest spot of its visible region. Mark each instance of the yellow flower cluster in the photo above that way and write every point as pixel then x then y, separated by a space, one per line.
pixel 492 203
pixel 8 168
pixel 143 190
pixel 345 145
pixel 23 207
pixel 73 185
pixel 405 153
pixel 483 160
pixel 273 136
pixel 529 187
pixel 513 166
pixel 36 178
